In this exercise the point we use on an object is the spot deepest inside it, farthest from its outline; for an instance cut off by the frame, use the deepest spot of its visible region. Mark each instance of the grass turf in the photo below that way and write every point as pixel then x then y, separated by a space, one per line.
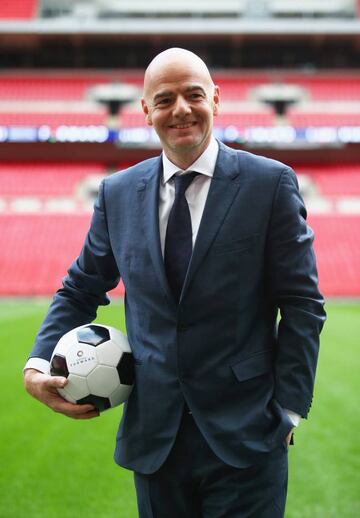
pixel 52 467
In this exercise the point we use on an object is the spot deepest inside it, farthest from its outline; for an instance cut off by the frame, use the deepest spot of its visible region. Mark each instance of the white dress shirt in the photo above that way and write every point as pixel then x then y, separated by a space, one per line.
pixel 195 195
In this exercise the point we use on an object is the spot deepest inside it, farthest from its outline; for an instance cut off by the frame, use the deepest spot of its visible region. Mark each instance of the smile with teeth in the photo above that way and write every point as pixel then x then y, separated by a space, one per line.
pixel 183 126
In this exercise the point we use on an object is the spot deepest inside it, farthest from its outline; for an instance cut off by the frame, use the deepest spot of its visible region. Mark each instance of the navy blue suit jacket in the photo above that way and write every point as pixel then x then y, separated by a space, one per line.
pixel 220 349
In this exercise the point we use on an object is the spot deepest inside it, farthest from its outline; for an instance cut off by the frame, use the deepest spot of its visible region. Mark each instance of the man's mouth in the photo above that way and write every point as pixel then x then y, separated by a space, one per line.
pixel 183 126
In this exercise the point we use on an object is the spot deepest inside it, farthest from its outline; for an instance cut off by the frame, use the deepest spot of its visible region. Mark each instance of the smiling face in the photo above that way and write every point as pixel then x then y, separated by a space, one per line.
pixel 180 101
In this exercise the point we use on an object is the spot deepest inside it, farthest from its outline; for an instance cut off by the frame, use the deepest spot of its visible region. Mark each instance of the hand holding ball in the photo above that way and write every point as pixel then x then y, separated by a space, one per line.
pixel 98 364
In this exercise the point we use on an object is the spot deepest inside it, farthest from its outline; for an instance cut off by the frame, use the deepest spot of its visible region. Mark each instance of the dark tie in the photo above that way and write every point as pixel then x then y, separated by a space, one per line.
pixel 178 240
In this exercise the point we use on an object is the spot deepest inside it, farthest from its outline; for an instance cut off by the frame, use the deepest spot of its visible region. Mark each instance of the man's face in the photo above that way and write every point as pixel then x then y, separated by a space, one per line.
pixel 180 102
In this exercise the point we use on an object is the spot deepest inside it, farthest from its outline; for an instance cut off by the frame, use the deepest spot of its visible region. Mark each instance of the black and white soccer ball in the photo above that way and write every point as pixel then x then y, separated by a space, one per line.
pixel 98 363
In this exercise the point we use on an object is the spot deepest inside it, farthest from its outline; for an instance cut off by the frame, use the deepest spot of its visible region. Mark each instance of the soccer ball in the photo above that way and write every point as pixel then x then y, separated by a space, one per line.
pixel 98 363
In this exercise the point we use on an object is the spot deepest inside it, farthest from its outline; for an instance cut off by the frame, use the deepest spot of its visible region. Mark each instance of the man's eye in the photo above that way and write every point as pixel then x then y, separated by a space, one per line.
pixel 195 96
pixel 165 100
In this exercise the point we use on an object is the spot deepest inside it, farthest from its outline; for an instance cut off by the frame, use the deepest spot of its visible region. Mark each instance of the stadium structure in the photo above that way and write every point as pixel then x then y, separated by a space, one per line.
pixel 70 81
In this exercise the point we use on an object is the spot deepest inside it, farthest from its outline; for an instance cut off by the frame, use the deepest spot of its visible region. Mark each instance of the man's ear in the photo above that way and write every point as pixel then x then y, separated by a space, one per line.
pixel 145 109
pixel 216 100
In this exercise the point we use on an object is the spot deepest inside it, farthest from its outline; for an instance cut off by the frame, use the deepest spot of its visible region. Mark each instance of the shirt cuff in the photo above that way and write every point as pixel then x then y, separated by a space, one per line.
pixel 294 417
pixel 39 364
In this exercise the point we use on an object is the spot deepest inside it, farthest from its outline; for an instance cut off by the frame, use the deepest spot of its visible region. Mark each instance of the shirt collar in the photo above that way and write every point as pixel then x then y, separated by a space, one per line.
pixel 205 164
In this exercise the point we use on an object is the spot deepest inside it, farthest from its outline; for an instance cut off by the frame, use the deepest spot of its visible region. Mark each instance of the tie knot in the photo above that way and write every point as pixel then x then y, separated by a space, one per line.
pixel 182 183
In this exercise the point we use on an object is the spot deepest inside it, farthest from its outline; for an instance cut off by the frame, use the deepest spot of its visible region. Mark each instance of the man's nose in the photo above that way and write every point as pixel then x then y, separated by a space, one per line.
pixel 181 107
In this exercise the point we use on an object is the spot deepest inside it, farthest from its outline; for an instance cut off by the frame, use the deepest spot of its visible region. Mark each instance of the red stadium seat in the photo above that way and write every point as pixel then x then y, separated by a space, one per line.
pixel 26 269
pixel 245 119
pixel 237 86
pixel 337 246
pixel 53 120
pixel 17 9
pixel 37 250
pixel 305 119
pixel 56 85
pixel 44 179
pixel 49 87
pixel 333 179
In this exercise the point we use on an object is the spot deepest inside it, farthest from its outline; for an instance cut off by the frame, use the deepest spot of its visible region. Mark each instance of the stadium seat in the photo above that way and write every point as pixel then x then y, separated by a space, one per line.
pixel 53 120
pixel 303 119
pixel 337 246
pixel 48 99
pixel 18 9
pixel 44 179
pixel 57 85
pixel 234 86
pixel 27 269
pixel 333 179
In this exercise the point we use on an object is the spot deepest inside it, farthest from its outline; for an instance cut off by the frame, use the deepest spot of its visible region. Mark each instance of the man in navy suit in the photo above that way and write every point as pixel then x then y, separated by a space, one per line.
pixel 208 262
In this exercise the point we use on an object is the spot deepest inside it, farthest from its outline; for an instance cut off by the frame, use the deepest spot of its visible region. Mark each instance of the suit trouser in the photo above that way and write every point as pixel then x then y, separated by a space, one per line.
pixel 194 483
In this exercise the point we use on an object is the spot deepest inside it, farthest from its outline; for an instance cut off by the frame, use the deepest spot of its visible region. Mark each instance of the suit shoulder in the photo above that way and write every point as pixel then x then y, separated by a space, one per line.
pixel 262 163
pixel 131 174
pixel 255 166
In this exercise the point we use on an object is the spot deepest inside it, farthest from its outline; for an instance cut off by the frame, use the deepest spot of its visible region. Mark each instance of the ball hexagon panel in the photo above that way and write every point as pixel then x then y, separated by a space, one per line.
pixel 76 387
pixel 58 366
pixel 101 403
pixel 125 369
pixel 103 380
pixel 120 395
pixel 108 353
pixel 81 359
pixel 93 335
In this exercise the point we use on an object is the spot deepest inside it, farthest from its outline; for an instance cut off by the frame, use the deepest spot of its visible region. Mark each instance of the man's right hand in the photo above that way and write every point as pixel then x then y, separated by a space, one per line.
pixel 44 388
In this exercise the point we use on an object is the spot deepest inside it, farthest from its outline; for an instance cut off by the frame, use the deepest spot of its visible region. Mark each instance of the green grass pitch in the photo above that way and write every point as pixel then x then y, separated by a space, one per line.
pixel 53 467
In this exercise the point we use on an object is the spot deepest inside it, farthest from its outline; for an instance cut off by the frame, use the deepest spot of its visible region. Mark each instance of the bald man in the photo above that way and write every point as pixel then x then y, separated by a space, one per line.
pixel 211 244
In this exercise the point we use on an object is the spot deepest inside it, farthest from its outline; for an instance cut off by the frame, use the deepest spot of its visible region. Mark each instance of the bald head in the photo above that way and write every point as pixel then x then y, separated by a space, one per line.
pixel 180 101
pixel 174 58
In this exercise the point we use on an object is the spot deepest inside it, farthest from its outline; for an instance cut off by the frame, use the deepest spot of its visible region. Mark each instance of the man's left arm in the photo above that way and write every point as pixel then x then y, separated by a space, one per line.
pixel 293 283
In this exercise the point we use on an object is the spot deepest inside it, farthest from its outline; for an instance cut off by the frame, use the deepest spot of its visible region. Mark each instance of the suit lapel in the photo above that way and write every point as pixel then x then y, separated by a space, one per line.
pixel 148 192
pixel 223 189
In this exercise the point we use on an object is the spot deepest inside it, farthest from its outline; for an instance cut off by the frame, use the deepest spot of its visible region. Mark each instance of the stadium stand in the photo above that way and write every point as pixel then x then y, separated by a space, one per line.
pixel 337 246
pixel 59 238
pixel 327 85
pixel 53 85
pixel 234 85
pixel 54 120
pixel 334 180
pixel 45 78
pixel 18 9
pixel 44 179
pixel 302 119
pixel 29 270
pixel 62 99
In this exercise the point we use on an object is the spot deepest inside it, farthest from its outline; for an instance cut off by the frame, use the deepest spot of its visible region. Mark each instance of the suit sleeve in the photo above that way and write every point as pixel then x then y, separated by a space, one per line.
pixel 89 278
pixel 294 290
